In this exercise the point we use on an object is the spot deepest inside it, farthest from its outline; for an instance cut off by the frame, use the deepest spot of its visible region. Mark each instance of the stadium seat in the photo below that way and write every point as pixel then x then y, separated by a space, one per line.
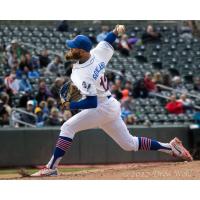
pixel 174 55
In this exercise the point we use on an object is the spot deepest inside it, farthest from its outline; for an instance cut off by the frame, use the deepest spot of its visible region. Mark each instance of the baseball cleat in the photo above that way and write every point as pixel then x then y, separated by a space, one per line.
pixel 179 150
pixel 46 172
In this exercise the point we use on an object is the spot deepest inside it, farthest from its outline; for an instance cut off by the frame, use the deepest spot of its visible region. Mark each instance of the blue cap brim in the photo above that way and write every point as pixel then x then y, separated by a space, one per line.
pixel 70 44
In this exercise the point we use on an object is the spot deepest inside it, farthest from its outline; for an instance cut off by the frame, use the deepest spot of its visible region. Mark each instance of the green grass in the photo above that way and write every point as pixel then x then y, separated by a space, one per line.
pixel 8 171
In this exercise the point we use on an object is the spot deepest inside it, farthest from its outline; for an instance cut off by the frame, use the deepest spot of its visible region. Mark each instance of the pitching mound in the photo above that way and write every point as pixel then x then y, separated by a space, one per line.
pixel 134 171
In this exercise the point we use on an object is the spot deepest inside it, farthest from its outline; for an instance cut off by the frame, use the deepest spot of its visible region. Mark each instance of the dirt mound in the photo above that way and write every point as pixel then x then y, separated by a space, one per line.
pixel 134 171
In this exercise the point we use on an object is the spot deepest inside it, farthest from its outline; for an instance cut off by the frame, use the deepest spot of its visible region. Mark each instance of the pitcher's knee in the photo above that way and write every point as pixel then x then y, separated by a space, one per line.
pixel 129 147
pixel 131 144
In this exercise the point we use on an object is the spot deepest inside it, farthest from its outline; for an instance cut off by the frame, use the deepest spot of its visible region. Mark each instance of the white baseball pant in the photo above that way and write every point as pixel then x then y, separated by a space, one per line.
pixel 107 117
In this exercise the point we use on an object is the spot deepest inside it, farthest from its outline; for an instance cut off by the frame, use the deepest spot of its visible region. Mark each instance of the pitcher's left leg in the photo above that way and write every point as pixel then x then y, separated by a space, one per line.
pixel 118 131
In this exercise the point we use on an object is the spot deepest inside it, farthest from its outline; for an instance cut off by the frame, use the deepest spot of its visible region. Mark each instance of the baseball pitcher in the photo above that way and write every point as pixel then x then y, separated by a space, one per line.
pixel 99 108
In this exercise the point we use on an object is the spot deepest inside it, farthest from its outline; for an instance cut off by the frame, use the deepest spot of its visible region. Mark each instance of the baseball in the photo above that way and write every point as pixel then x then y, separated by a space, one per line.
pixel 120 29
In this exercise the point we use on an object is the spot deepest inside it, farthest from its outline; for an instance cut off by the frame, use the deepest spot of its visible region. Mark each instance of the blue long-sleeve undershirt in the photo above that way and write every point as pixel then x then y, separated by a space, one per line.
pixel 88 102
pixel 110 38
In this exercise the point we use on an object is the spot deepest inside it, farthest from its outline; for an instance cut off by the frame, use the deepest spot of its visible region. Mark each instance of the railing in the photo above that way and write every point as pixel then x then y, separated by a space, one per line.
pixel 15 117
pixel 178 91
pixel 165 97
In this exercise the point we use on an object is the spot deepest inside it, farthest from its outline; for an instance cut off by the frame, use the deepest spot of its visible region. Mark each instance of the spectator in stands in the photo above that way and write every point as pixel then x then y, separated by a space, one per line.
pixel 21 68
pixel 53 119
pixel 40 119
pixel 12 83
pixel 178 84
pixel 26 117
pixel 15 66
pixel 31 61
pixel 128 85
pixel 55 88
pixel 197 84
pixel 126 108
pixel 157 78
pixel 4 115
pixel 12 61
pixel 51 103
pixel 5 101
pixel 116 89
pixel 53 67
pixel 166 79
pixel 43 106
pixel 28 65
pixel 14 47
pixel 150 35
pixel 116 93
pixel 43 92
pixel 33 74
pixel 127 101
pixel 23 65
pixel 140 90
pixel 125 94
pixel 27 62
pixel 187 103
pixel 174 106
pixel 30 106
pixel 44 58
pixel 125 44
pixel 118 82
pixel 101 36
pixel 24 84
pixel 5 109
pixel 148 82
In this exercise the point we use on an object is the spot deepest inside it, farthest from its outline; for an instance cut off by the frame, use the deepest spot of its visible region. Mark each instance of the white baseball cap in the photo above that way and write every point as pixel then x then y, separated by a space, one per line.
pixel 30 102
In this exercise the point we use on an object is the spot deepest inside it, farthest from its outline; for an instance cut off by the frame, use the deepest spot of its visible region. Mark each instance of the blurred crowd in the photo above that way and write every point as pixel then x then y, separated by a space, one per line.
pixel 23 72
pixel 126 91
pixel 28 69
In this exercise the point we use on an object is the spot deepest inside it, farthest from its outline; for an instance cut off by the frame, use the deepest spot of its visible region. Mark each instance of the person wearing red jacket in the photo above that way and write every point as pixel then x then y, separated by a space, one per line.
pixel 174 106
pixel 149 84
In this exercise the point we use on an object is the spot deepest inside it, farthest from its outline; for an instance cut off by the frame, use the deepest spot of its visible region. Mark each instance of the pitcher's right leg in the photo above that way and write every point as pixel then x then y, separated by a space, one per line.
pixel 86 119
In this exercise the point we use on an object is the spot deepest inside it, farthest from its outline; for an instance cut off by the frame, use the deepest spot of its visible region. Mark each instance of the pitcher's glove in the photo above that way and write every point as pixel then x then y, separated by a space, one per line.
pixel 69 92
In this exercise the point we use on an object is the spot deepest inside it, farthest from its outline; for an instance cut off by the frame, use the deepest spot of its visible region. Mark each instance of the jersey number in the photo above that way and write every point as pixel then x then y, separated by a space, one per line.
pixel 104 83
